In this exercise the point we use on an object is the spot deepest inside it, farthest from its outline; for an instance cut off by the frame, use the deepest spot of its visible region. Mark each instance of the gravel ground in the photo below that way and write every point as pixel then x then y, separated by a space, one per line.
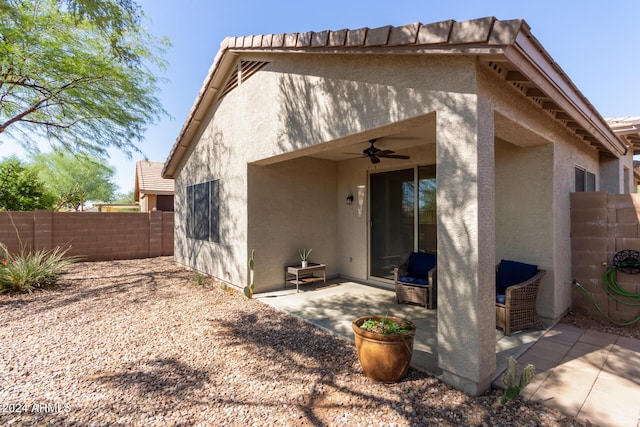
pixel 140 342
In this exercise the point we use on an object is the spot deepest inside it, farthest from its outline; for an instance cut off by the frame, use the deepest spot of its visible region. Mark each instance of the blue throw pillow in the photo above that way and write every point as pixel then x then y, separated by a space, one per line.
pixel 513 272
pixel 420 263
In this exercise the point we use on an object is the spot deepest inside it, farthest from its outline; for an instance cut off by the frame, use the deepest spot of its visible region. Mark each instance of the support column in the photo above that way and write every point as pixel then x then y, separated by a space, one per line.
pixel 466 243
pixel 610 174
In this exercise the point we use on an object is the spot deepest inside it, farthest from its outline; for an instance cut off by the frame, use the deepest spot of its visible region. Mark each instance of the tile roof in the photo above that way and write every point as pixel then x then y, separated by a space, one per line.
pixel 507 47
pixel 149 179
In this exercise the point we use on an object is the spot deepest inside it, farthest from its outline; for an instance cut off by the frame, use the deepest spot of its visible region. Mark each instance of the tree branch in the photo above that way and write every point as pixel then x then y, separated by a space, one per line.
pixel 43 103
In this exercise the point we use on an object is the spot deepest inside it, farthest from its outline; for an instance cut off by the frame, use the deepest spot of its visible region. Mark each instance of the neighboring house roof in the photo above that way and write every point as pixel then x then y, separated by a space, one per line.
pixel 506 47
pixel 628 129
pixel 149 179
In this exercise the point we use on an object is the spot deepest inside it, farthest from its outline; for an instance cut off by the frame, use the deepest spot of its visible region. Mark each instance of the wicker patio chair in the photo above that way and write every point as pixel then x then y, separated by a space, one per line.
pixel 516 308
pixel 416 280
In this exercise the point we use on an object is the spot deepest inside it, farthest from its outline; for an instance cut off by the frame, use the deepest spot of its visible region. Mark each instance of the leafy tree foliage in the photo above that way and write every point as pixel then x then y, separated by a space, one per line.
pixel 74 180
pixel 21 189
pixel 125 198
pixel 78 73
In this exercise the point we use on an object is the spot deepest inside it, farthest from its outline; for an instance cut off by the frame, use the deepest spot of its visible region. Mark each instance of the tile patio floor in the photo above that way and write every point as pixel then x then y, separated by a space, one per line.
pixel 588 374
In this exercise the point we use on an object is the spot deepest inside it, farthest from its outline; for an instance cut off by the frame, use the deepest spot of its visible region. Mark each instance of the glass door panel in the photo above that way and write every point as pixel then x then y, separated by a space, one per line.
pixel 427 233
pixel 392 220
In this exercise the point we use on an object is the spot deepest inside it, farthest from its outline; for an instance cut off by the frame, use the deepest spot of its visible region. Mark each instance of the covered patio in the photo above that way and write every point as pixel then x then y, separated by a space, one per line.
pixel 335 305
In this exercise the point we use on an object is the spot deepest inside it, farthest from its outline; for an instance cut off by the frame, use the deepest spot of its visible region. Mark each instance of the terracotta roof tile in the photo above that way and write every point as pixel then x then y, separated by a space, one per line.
pixel 435 33
pixel 149 179
pixel 320 39
pixel 356 37
pixel 337 38
pixel 407 34
pixel 474 31
pixel 378 36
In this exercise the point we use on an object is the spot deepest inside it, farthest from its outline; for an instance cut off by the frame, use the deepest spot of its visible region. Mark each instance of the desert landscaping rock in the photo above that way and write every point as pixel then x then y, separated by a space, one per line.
pixel 139 343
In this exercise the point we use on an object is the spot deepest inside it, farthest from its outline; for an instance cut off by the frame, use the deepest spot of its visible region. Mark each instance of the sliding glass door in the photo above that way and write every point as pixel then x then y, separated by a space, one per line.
pixel 392 219
pixel 427 233
pixel 399 225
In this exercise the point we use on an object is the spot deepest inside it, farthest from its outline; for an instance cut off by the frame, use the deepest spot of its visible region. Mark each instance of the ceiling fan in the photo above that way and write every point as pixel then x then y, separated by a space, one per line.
pixel 374 153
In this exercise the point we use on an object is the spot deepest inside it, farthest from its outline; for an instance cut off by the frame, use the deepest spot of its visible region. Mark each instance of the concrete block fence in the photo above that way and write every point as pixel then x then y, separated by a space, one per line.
pixel 94 236
pixel 603 224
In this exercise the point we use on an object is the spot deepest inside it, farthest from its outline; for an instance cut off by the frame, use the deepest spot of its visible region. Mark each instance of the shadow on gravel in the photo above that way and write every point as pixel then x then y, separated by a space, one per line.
pixel 76 286
pixel 162 378
pixel 273 335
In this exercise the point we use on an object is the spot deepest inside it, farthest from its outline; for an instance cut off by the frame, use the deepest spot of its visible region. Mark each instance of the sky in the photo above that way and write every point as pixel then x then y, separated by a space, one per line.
pixel 596 42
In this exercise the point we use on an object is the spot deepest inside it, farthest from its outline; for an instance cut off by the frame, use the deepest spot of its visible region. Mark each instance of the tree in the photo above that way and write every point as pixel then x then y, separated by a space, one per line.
pixel 21 189
pixel 127 198
pixel 75 179
pixel 78 73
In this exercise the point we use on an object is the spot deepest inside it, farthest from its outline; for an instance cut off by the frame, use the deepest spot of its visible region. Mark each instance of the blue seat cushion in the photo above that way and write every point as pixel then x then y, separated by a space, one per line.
pixel 413 280
pixel 513 272
pixel 420 263
pixel 501 298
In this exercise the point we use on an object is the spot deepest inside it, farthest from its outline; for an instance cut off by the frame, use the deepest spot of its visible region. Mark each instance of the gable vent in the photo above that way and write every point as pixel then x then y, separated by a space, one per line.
pixel 244 70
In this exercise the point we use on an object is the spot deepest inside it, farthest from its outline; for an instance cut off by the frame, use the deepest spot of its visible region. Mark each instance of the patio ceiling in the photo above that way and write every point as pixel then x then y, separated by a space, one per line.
pixel 389 140
pixel 401 141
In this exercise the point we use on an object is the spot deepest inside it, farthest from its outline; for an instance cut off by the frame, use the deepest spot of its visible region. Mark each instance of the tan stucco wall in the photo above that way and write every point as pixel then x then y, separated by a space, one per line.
pixel 567 155
pixel 292 108
pixel 323 103
pixel 534 177
pixel 524 211
pixel 292 205
pixel 144 203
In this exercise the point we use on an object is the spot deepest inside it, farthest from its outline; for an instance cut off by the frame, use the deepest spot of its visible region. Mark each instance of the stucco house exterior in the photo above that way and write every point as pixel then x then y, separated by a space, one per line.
pixel 151 191
pixel 271 158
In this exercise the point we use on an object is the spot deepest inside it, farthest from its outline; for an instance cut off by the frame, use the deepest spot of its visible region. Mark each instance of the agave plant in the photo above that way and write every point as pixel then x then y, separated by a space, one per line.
pixel 304 254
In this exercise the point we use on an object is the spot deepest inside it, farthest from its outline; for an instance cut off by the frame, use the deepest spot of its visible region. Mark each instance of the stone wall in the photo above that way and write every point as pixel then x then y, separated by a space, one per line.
pixel 94 236
pixel 603 224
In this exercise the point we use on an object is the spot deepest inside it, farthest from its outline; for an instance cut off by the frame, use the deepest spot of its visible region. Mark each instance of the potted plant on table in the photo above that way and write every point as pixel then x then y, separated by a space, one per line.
pixel 304 257
pixel 384 345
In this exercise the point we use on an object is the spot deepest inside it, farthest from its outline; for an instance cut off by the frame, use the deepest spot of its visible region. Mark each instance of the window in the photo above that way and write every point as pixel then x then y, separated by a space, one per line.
pixel 203 211
pixel 585 181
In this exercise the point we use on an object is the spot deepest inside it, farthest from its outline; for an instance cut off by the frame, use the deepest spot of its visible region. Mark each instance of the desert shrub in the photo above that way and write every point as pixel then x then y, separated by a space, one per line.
pixel 27 271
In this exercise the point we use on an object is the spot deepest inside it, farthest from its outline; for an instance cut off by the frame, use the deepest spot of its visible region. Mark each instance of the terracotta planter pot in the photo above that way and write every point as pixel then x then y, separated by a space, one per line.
pixel 384 358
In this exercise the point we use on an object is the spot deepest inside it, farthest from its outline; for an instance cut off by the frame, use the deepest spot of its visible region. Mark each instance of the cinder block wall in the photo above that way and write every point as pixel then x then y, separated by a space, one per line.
pixel 93 236
pixel 603 224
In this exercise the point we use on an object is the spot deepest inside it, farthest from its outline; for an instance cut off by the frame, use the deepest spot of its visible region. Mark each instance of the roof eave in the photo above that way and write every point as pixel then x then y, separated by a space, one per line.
pixel 212 84
pixel 486 37
pixel 537 65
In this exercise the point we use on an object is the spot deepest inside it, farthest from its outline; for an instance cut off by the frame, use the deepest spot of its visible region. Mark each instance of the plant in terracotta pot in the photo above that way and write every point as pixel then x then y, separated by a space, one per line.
pixel 384 345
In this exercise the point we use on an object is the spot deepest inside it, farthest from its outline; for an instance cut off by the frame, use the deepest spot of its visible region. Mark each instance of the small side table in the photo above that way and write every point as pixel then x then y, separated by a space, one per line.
pixel 298 275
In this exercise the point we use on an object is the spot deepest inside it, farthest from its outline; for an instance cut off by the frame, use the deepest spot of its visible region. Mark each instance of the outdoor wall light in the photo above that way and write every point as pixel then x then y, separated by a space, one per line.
pixel 350 199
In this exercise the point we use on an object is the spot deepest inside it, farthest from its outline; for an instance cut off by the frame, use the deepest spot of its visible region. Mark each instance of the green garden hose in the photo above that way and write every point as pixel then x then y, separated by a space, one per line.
pixel 627 261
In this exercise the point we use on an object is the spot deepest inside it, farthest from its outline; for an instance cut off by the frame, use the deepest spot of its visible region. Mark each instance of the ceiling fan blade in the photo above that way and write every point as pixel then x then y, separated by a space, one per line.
pixel 395 156
pixel 375 160
pixel 384 153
